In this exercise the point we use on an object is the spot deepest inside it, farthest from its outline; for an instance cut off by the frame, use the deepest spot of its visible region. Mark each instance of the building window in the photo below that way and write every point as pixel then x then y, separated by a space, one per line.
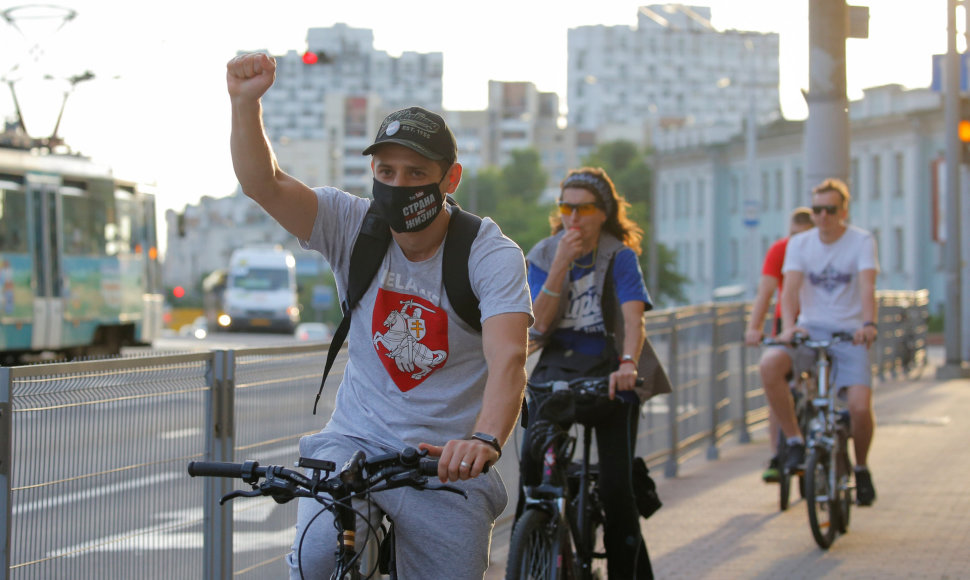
pixel 898 246
pixel 779 190
pixel 765 193
pixel 855 178
pixel 900 175
pixel 876 176
pixel 700 197
pixel 734 194
pixel 733 258
pixel 700 261
pixel 798 189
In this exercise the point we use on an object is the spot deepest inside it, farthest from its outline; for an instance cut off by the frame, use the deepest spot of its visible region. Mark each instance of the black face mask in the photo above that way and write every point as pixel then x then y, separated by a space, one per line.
pixel 408 209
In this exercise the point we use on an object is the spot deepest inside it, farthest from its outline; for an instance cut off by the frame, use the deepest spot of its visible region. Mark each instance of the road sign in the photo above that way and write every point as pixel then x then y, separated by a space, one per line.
pixel 751 214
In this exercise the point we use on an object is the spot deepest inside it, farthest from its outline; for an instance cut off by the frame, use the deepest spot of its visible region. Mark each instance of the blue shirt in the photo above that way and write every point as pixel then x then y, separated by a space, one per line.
pixel 582 328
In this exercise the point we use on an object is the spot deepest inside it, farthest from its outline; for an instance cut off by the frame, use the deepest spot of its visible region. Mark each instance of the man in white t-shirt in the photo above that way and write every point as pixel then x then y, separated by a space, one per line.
pixel 830 284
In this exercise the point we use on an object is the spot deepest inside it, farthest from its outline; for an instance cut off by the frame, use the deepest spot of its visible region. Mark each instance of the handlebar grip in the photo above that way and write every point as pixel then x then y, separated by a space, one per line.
pixel 215 469
pixel 428 467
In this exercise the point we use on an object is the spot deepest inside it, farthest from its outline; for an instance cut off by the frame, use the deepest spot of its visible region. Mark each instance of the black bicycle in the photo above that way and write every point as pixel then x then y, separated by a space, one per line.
pixel 559 534
pixel 358 478
pixel 828 471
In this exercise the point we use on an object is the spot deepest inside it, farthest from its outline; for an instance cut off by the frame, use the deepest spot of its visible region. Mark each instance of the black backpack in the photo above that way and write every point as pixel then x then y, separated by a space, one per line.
pixel 368 253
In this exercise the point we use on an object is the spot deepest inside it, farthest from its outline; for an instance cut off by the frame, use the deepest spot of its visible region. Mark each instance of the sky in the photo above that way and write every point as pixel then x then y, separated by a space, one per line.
pixel 157 108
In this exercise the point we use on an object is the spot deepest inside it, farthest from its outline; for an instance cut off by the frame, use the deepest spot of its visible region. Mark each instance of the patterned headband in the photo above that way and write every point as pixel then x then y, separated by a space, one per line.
pixel 598 184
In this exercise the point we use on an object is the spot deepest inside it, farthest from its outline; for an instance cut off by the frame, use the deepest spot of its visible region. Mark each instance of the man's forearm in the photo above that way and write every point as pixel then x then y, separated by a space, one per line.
pixel 252 157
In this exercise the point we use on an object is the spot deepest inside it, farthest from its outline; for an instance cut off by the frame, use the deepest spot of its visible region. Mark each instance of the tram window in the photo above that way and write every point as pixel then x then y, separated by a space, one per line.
pixel 13 220
pixel 84 226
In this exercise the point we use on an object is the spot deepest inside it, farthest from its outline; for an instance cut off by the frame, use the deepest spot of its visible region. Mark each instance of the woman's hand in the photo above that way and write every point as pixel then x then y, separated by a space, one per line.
pixel 623 378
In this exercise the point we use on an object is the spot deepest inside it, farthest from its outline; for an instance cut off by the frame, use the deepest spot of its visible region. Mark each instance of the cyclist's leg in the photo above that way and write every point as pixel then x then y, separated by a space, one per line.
pixel 316 539
pixel 775 367
pixel 626 549
pixel 443 535
pixel 851 369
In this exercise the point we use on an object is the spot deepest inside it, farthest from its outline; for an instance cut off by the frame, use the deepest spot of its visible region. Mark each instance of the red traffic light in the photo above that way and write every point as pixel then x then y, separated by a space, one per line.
pixel 310 57
pixel 178 292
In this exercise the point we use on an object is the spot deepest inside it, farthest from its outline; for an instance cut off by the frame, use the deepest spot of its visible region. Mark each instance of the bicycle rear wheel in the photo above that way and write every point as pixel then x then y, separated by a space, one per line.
pixel 539 548
pixel 784 476
pixel 822 500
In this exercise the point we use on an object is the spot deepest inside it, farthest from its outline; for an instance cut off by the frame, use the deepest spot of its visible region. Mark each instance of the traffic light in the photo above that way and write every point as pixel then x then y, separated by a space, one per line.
pixel 963 130
pixel 316 57
pixel 178 292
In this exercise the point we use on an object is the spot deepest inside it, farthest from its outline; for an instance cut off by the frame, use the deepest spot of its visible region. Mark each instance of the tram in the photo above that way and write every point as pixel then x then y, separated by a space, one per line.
pixel 79 272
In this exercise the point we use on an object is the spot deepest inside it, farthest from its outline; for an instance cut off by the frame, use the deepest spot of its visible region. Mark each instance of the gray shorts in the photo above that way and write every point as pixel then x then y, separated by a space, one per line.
pixel 850 362
pixel 439 534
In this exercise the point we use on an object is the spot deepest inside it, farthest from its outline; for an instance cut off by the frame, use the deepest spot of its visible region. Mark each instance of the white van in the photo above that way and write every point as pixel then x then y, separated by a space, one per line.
pixel 261 292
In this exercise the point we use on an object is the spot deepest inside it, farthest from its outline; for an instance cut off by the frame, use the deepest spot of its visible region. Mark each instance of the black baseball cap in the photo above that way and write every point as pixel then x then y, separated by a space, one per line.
pixel 420 130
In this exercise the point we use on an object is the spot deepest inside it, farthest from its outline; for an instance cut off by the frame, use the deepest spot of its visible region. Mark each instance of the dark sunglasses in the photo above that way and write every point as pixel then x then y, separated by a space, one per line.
pixel 588 208
pixel 831 209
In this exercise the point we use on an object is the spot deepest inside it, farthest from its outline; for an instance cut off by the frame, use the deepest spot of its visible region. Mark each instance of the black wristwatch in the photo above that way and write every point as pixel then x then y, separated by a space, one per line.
pixel 490 439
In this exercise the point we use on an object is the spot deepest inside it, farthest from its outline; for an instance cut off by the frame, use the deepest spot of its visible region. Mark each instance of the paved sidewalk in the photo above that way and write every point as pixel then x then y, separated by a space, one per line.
pixel 719 521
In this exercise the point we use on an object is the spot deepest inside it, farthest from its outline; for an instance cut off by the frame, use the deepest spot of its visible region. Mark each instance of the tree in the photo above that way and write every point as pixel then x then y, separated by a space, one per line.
pixel 628 168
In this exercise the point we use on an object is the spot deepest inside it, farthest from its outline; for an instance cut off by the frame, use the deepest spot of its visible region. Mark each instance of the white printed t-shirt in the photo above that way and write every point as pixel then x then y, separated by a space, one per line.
pixel 829 297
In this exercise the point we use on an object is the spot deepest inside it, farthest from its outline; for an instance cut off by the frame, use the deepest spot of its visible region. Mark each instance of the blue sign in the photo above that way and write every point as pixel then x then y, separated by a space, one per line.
pixel 750 215
pixel 322 297
pixel 937 82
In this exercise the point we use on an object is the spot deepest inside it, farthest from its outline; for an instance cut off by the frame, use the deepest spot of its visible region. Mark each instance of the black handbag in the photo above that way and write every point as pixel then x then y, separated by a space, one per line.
pixel 644 489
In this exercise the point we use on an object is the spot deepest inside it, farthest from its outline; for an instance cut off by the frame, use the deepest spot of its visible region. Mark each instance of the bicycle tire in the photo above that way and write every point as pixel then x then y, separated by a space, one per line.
pixel 539 548
pixel 784 476
pixel 823 509
pixel 594 535
pixel 844 478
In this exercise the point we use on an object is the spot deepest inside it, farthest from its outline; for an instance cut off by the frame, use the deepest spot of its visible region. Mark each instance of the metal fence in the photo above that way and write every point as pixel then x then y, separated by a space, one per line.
pixel 93 454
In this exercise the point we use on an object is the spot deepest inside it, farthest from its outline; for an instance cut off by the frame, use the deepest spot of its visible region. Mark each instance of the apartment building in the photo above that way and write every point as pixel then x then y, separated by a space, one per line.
pixel 672 68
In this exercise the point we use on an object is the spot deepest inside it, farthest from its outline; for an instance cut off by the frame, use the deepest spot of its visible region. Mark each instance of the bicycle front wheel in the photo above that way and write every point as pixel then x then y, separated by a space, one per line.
pixel 821 498
pixel 539 548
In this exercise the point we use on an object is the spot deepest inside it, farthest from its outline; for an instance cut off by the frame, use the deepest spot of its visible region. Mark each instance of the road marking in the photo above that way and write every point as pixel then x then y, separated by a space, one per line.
pixel 181 433
pixel 125 486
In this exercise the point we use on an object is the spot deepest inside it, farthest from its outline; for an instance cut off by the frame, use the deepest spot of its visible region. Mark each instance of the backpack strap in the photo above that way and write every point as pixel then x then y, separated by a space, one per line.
pixel 462 230
pixel 365 260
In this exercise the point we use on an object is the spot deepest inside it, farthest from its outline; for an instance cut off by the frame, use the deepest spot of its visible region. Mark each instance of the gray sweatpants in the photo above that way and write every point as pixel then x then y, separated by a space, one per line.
pixel 439 534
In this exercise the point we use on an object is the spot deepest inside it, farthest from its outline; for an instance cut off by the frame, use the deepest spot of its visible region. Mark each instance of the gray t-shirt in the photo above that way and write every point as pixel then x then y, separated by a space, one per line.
pixel 416 372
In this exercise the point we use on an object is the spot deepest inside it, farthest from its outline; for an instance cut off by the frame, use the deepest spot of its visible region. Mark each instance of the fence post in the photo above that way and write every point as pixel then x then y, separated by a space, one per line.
pixel 670 469
pixel 6 460
pixel 744 435
pixel 712 451
pixel 220 442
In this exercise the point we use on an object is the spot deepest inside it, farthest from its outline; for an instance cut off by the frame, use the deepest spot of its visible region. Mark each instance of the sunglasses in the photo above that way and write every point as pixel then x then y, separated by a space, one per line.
pixel 583 209
pixel 831 209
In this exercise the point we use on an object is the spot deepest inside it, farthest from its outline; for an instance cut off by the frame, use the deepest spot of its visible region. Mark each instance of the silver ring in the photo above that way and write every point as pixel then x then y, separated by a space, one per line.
pixel 465 464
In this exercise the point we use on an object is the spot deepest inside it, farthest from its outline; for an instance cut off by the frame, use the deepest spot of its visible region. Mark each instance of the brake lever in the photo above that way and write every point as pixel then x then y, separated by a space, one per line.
pixel 239 493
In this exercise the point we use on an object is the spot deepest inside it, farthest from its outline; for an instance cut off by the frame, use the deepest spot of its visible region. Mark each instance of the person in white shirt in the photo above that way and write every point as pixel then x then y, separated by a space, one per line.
pixel 830 286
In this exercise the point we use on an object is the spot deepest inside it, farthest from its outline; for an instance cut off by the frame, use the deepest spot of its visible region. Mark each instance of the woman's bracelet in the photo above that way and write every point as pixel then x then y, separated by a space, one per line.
pixel 549 292
pixel 628 359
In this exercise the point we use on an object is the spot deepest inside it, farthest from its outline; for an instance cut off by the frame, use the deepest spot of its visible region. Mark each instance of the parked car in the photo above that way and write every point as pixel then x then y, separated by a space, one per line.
pixel 313 332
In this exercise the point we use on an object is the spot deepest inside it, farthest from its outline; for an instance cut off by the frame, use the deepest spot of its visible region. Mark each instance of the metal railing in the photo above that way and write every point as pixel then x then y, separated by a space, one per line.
pixel 93 454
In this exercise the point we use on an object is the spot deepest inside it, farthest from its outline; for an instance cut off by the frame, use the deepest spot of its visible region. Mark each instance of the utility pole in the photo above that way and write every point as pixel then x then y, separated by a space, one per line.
pixel 826 140
pixel 954 366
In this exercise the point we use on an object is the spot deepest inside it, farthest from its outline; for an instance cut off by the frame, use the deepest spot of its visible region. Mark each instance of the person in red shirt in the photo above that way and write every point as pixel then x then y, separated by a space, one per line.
pixel 771 280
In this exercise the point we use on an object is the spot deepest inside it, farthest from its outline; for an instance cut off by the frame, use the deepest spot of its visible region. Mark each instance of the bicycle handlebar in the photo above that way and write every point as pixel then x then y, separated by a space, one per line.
pixel 359 475
pixel 799 339
pixel 580 386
